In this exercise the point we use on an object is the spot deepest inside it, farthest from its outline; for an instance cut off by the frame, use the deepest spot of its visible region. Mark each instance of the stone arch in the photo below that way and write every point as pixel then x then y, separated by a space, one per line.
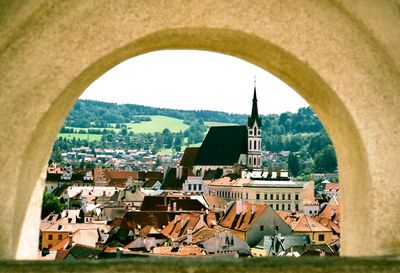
pixel 335 55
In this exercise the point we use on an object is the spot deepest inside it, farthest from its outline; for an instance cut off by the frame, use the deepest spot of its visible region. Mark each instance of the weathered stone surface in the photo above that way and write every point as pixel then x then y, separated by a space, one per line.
pixel 341 56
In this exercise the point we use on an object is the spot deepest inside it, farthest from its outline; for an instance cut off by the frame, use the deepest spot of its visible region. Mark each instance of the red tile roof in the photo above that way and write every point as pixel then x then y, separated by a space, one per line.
pixel 243 220
pixel 331 187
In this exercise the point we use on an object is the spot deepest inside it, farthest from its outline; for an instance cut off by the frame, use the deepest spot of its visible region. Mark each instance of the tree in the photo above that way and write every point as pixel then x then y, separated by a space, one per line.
pixel 50 204
pixel 293 165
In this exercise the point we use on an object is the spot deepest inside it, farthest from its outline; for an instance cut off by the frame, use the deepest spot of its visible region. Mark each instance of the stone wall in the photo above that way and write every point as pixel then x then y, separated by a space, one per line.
pixel 341 56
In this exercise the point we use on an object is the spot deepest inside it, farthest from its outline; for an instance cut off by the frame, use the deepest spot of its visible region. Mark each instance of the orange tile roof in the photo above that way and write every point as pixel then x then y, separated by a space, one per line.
pixel 190 250
pixel 180 225
pixel 331 187
pixel 215 202
pixel 307 224
pixel 242 221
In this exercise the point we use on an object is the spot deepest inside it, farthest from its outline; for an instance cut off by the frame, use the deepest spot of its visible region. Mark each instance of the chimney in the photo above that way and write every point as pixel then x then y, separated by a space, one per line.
pixel 278 172
pixel 244 208
pixel 70 240
pixel 179 172
pixel 189 235
pixel 239 204
pixel 253 208
pixel 333 212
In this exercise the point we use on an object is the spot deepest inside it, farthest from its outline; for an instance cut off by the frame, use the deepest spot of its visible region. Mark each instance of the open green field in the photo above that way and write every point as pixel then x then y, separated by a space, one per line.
pixel 92 137
pixel 158 124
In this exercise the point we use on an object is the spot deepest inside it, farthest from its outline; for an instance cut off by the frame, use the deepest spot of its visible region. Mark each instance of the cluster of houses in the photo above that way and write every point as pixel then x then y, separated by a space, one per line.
pixel 217 200
pixel 122 159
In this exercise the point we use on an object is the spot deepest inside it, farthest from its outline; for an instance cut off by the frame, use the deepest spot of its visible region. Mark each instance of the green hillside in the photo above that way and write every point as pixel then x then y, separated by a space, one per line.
pixel 158 124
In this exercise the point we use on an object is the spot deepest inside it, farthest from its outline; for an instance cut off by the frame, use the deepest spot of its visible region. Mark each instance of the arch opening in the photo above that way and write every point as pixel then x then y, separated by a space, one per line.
pixel 296 73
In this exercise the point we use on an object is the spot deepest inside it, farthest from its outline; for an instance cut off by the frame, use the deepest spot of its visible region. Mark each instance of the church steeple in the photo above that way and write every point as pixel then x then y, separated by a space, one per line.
pixel 254 111
pixel 254 136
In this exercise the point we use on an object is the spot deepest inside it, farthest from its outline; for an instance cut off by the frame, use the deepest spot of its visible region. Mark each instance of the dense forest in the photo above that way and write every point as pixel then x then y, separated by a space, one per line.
pixel 300 133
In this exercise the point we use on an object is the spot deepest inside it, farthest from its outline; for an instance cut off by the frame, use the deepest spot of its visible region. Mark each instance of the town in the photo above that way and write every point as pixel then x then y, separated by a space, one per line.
pixel 218 199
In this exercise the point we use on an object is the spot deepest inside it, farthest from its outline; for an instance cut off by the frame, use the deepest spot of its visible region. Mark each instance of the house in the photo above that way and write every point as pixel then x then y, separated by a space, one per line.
pixel 116 178
pixel 303 224
pixel 194 185
pixel 79 252
pixel 183 226
pixel 64 228
pixel 271 188
pixel 273 245
pixel 251 221
pixel 131 196
pixel 175 203
pixel 330 190
pixel 217 240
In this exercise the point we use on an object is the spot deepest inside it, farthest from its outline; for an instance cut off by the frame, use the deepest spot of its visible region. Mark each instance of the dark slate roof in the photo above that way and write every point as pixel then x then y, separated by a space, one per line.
pixel 160 203
pixel 223 146
pixel 84 252
pixel 53 177
pixel 171 182
pixel 150 178
pixel 254 112
pixel 212 174
pixel 189 157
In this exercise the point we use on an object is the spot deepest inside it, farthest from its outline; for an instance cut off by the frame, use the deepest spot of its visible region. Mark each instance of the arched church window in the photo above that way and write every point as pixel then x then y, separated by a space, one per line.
pixel 259 132
pixel 249 144
pixel 255 161
pixel 255 145
pixel 249 160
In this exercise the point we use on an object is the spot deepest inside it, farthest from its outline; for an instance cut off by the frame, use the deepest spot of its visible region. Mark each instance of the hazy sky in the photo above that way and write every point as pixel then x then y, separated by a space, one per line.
pixel 193 80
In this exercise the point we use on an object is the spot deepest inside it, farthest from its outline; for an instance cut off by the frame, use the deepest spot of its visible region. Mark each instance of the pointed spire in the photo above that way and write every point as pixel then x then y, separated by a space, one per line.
pixel 254 110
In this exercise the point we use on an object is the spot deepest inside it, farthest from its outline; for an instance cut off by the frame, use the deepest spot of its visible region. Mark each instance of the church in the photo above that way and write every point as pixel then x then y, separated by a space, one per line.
pixel 231 148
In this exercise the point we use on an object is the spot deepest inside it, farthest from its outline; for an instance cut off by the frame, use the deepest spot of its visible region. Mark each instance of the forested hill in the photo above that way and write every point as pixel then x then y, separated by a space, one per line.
pixel 129 126
pixel 89 113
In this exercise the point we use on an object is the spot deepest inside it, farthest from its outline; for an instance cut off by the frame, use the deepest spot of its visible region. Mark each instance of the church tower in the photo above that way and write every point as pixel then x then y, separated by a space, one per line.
pixel 254 136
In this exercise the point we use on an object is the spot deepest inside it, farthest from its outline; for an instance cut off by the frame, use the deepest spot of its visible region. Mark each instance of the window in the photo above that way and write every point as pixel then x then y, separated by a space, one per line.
pixel 259 132
pixel 190 187
pixel 247 195
pixel 289 196
pixel 283 206
pixel 321 237
pixel 249 144
pixel 258 196
pixel 241 195
pixel 250 132
pixel 296 207
pixel 255 146
pixel 288 206
pixel 194 187
pixel 266 196
pixel 277 207
pixel 261 228
pixel 59 236
pixel 277 197
pixel 200 186
pixel 255 161
pixel 283 196
pixel 50 237
pixel 271 196
pixel 249 160
pixel 296 197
